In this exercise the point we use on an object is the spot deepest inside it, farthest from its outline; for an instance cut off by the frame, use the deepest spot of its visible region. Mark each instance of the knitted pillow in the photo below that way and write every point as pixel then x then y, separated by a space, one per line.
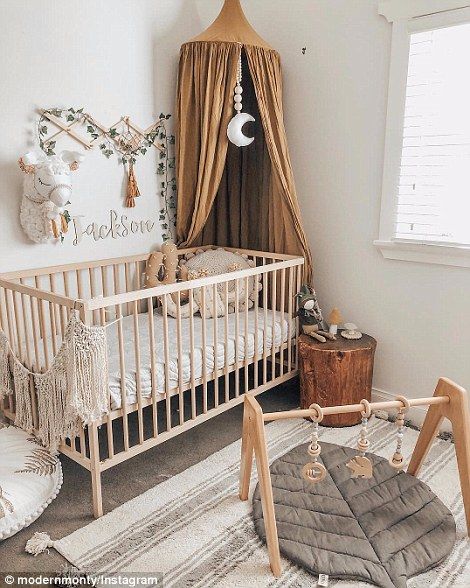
pixel 214 262
pixel 30 479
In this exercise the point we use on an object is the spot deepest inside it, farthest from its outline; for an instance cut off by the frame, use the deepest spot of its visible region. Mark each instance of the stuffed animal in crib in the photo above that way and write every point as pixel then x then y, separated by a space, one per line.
pixel 47 189
pixel 310 315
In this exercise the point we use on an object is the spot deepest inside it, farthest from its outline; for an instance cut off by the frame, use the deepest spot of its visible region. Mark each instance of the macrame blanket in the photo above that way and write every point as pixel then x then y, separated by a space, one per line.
pixel 72 393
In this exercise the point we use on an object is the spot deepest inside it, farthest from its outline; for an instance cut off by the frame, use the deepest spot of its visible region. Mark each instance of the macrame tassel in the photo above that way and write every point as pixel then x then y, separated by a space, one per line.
pixel 64 224
pixel 55 230
pixel 87 372
pixel 24 413
pixel 5 374
pixel 132 188
pixel 39 543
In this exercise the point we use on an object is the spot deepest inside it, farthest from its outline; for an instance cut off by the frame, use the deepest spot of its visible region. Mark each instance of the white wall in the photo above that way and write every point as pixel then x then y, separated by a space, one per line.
pixel 117 57
pixel 335 107
pixel 335 114
pixel 113 57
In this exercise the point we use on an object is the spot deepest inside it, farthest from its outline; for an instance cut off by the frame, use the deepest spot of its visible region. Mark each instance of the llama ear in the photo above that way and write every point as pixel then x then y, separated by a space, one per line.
pixel 73 158
pixel 28 162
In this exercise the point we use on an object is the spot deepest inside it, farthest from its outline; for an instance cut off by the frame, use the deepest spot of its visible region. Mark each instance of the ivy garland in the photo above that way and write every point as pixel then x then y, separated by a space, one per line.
pixel 115 142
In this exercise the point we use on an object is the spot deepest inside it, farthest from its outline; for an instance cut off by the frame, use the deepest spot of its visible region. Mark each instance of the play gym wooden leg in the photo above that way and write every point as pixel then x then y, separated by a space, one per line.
pixel 428 433
pixel 246 462
pixel 95 471
pixel 255 417
pixel 458 412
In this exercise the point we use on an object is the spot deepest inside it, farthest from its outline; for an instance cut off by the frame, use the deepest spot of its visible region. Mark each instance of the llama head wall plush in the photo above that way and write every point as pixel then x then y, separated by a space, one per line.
pixel 47 189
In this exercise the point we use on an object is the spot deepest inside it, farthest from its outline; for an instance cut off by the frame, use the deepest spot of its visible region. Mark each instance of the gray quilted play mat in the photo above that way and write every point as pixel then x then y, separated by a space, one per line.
pixel 382 530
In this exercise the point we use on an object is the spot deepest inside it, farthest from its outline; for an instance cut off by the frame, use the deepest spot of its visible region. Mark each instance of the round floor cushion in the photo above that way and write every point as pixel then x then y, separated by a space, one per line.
pixel 30 478
pixel 381 530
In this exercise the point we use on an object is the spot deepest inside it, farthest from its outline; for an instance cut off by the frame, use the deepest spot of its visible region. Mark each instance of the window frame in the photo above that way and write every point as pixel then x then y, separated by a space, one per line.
pixel 408 18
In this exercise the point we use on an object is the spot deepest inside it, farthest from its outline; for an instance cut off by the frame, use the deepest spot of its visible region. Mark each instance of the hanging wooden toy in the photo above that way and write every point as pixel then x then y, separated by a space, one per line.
pixel 397 460
pixel 314 471
pixel 360 465
pixel 235 126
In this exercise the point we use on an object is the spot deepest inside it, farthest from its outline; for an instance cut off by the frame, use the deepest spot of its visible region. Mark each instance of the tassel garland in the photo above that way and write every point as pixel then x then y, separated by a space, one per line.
pixel 64 224
pixel 6 386
pixel 72 393
pixel 132 188
pixel 55 230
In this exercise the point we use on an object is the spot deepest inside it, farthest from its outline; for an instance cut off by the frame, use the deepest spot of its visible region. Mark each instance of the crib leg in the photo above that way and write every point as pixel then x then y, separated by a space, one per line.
pixel 246 462
pixel 95 471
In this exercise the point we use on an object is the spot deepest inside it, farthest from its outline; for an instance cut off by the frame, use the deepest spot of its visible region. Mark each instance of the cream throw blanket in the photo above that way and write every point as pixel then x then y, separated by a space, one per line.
pixel 72 393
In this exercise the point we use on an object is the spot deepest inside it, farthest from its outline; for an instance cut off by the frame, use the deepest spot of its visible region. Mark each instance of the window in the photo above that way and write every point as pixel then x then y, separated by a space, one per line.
pixel 426 188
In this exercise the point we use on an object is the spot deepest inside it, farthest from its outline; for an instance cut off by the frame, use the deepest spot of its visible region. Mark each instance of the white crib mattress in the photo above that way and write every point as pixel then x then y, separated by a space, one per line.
pixel 281 335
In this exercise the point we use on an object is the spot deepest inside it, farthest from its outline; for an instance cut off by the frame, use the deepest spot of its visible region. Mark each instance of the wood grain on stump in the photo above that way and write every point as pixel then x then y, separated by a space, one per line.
pixel 336 372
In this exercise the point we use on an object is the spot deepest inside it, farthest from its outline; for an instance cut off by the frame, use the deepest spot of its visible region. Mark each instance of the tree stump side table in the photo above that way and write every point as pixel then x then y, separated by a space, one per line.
pixel 336 372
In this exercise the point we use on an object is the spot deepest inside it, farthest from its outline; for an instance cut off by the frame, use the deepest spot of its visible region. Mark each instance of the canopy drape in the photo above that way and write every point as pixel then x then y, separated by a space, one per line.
pixel 243 197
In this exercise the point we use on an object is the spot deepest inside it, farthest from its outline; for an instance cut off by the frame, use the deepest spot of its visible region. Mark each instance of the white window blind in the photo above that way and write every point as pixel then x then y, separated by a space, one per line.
pixel 433 200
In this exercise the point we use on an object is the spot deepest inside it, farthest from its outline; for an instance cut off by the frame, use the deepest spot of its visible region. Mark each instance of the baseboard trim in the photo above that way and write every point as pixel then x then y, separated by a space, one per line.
pixel 416 414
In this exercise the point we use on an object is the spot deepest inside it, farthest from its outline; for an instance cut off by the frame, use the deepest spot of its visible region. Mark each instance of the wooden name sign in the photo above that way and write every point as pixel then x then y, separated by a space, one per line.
pixel 120 226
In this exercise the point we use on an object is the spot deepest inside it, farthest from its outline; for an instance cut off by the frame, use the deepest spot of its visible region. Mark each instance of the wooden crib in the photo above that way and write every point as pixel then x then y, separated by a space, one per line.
pixel 167 374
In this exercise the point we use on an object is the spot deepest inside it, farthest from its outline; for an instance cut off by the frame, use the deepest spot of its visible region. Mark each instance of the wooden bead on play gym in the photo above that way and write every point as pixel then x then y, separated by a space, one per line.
pixel 313 471
pixel 363 445
pixel 397 460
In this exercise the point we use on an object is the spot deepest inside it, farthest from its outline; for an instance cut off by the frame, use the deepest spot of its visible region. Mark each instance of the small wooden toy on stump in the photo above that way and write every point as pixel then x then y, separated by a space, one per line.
pixel 310 315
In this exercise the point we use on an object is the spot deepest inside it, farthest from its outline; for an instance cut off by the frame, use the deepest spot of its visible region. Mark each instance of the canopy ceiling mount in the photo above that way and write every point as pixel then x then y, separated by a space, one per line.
pixel 232 26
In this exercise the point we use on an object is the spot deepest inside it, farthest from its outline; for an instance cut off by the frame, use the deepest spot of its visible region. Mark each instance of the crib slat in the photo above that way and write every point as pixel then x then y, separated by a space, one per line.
pixel 298 285
pixel 42 325
pixel 246 283
pixel 167 362
pixel 61 313
pixel 57 315
pixel 180 358
pixel 109 422
pixel 191 355
pixel 26 330
pixel 153 366
pixel 265 324
pixel 33 302
pixel 273 334
pixel 94 291
pixel 226 349
pixel 215 325
pixel 78 276
pixel 204 350
pixel 290 296
pixel 237 339
pixel 128 283
pixel 256 337
pixel 3 320
pixel 138 379
pixel 11 332
pixel 17 325
pixel 52 323
pixel 65 277
pixel 122 372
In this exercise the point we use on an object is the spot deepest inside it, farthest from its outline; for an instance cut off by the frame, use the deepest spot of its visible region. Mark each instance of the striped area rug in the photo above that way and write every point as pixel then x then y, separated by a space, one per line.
pixel 195 530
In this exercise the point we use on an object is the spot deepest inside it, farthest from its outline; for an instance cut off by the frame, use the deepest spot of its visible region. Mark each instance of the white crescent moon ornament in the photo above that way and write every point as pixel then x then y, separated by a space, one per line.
pixel 235 130
pixel 235 126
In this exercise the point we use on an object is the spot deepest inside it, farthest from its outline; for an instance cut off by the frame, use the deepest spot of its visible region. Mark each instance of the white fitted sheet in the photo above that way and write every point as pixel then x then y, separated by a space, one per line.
pixel 281 334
